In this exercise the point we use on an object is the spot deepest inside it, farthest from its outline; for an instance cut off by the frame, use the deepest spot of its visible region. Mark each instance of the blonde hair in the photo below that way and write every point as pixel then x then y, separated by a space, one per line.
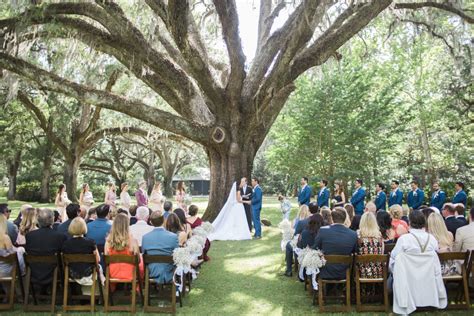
pixel 436 226
pixel 28 220
pixel 77 227
pixel 368 226
pixel 396 211
pixel 123 185
pixel 157 185
pixel 3 232
pixel 303 212
pixel 406 210
pixel 119 237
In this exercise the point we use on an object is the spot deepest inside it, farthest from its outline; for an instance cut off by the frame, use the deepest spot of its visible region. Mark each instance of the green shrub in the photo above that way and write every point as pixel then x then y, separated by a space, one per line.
pixel 3 192
pixel 28 191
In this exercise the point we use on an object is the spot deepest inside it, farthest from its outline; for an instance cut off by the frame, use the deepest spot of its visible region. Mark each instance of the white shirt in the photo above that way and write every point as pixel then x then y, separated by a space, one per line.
pixel 140 229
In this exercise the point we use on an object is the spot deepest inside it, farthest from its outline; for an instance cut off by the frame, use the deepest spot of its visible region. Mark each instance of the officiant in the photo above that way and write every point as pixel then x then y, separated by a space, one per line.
pixel 246 195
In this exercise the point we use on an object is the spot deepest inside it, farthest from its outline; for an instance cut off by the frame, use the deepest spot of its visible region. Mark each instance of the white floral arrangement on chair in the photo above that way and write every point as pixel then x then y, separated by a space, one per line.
pixel 294 242
pixel 199 231
pixel 201 240
pixel 207 227
pixel 286 232
pixel 194 247
pixel 312 260
pixel 182 258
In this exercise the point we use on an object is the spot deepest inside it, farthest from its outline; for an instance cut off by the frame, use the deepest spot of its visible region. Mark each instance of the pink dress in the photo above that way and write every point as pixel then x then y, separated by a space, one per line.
pixel 111 197
pixel 180 195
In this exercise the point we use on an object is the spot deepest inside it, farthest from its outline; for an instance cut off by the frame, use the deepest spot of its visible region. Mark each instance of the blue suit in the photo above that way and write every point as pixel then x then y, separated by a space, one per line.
pixel 380 200
pixel 460 197
pixel 160 242
pixel 437 199
pixel 304 195
pixel 415 198
pixel 395 198
pixel 323 197
pixel 256 209
pixel 357 200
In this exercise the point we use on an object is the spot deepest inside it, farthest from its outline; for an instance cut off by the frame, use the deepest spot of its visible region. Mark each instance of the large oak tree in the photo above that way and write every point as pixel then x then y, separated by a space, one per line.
pixel 225 105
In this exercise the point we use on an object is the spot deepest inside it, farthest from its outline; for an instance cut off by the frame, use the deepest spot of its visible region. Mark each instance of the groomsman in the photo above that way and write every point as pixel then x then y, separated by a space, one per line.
pixel 381 197
pixel 416 196
pixel 357 199
pixel 438 198
pixel 304 194
pixel 396 195
pixel 323 195
pixel 460 196
pixel 257 208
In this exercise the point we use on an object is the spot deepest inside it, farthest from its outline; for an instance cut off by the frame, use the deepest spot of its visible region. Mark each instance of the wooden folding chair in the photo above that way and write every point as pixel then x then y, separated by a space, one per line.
pixel 461 279
pixel 362 259
pixel 12 260
pixel 387 248
pixel 134 260
pixel 34 259
pixel 336 259
pixel 147 259
pixel 81 258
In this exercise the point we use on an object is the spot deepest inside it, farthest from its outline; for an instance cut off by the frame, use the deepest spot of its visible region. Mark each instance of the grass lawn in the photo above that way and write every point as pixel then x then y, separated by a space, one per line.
pixel 244 278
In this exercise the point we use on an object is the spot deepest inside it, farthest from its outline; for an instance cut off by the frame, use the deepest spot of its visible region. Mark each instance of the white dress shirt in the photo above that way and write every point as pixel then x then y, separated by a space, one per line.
pixel 140 229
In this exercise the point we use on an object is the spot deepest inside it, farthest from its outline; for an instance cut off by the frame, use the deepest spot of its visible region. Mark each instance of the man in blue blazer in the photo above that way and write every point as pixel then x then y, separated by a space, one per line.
pixel 438 198
pixel 304 193
pixel 416 196
pixel 160 242
pixel 323 194
pixel 257 208
pixel 336 239
pixel 381 197
pixel 460 196
pixel 396 195
pixel 357 199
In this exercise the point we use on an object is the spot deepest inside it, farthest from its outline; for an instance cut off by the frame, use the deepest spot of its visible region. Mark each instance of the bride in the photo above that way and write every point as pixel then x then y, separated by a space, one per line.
pixel 231 223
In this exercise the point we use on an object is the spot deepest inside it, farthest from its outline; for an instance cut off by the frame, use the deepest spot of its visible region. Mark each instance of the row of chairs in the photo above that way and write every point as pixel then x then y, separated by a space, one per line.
pixel 460 301
pixel 105 296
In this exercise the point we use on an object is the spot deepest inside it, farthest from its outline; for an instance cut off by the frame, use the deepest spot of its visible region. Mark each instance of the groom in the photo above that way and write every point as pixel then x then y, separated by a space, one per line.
pixel 246 195
pixel 257 207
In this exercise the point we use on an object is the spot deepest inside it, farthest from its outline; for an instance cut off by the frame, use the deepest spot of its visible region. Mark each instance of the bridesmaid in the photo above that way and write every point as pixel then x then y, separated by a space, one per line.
pixel 156 198
pixel 125 200
pixel 180 195
pixel 110 196
pixel 86 200
pixel 339 198
pixel 62 201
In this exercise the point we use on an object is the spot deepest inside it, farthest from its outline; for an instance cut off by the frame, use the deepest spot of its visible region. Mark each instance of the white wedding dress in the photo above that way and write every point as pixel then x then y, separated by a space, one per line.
pixel 231 223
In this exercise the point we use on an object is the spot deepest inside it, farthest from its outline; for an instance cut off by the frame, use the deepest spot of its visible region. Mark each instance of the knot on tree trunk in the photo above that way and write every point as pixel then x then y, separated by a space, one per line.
pixel 218 134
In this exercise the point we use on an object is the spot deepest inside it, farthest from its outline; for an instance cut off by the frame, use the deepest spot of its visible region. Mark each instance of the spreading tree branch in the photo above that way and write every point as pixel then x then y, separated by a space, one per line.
pixel 443 5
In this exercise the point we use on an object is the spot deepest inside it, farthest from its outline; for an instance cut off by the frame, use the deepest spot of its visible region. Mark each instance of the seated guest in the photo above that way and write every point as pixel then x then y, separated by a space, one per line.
pixel 406 211
pixel 12 229
pixel 309 233
pixel 133 214
pixel 435 226
pixel 141 228
pixel 303 214
pixel 370 242
pixel 385 225
pixel 399 226
pixel 91 215
pixel 182 219
pixel 326 213
pixel 78 244
pixel 313 209
pixel 57 219
pixel 173 224
pixel 195 221
pixel 28 224
pixel 452 223
pixel 460 196
pixel 167 207
pixel 370 207
pixel 355 223
pixel 83 211
pixel 459 211
pixel 427 211
pixel 348 221
pixel 416 269
pixel 336 240
pixel 464 240
pixel 19 217
pixel 350 211
pixel 6 248
pixel 43 241
pixel 98 229
pixel 121 242
pixel 72 211
pixel 160 242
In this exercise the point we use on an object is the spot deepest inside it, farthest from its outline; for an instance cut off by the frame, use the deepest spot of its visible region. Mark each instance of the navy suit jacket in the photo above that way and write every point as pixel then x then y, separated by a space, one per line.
pixel 257 198
pixel 437 199
pixel 323 197
pixel 460 197
pixel 304 195
pixel 357 200
pixel 452 223
pixel 415 201
pixel 381 200
pixel 335 240
pixel 301 226
pixel 396 198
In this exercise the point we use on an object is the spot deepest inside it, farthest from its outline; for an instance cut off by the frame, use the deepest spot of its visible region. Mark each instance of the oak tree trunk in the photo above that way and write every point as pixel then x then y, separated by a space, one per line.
pixel 46 173
pixel 13 166
pixel 71 170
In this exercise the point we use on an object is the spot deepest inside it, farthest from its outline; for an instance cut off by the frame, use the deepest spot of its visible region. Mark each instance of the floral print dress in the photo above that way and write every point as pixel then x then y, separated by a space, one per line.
pixel 370 246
